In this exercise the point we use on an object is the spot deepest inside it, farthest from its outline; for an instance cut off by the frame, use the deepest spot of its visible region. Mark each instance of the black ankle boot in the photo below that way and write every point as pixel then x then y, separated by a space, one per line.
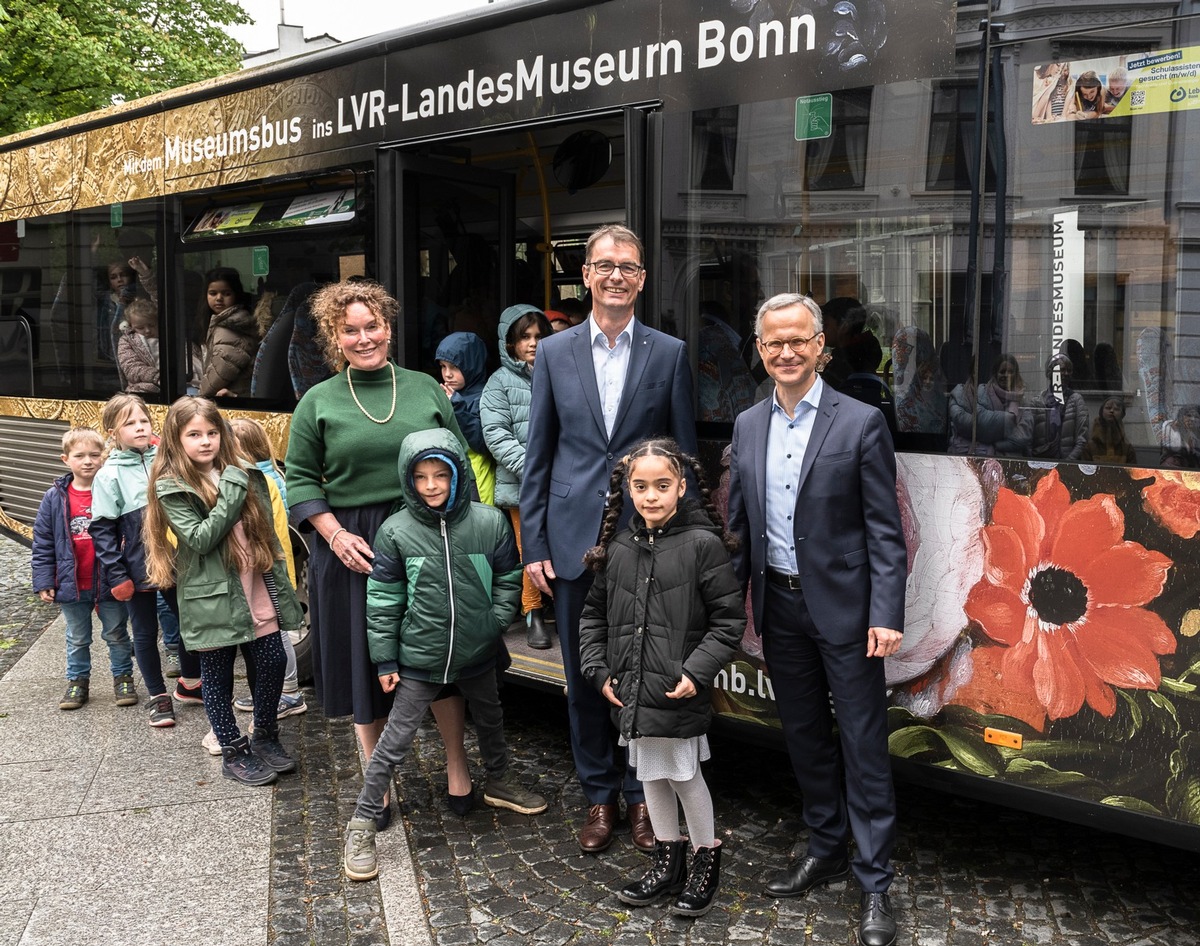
pixel 537 636
pixel 665 876
pixel 704 876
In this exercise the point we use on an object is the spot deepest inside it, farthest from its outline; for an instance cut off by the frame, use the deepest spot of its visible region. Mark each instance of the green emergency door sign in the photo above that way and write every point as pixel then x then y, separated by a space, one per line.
pixel 260 261
pixel 814 117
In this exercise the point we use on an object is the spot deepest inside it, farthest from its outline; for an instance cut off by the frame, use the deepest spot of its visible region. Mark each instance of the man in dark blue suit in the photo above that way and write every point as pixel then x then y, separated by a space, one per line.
pixel 599 388
pixel 812 496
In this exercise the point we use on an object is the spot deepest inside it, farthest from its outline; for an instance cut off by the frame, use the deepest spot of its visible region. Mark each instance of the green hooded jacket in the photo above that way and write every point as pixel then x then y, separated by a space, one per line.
pixel 446 582
pixel 212 604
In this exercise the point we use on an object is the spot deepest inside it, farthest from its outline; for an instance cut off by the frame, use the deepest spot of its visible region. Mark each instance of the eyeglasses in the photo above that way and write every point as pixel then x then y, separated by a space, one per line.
pixel 605 268
pixel 776 345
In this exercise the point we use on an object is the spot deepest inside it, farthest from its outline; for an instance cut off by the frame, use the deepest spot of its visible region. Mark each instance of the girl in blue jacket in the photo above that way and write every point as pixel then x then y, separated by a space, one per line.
pixel 118 505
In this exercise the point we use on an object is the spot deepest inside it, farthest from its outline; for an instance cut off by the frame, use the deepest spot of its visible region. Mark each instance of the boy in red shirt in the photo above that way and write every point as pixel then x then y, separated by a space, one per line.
pixel 65 572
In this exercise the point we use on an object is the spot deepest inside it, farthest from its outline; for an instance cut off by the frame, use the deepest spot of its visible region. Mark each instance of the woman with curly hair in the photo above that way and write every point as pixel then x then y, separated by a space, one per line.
pixel 342 482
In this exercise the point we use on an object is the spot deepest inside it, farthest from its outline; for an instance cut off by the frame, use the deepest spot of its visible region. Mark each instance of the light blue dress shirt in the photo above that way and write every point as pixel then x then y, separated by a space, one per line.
pixel 611 365
pixel 787 441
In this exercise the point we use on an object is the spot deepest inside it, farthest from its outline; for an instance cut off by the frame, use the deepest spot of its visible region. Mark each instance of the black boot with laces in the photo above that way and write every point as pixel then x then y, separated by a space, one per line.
pixel 665 876
pixel 703 879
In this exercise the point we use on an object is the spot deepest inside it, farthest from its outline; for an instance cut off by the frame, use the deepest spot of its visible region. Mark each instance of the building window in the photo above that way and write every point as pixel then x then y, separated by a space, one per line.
pixel 714 148
pixel 839 162
pixel 952 156
pixel 1102 156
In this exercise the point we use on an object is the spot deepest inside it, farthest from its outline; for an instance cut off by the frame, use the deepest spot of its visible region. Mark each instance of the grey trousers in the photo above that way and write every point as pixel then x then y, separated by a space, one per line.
pixel 412 702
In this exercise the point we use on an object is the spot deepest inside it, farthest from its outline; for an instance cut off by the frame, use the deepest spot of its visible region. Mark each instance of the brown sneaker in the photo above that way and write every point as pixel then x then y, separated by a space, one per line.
pixel 76 695
pixel 124 692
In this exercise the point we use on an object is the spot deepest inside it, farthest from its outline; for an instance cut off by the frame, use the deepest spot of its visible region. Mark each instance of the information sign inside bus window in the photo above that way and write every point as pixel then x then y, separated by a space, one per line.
pixel 227 218
pixel 318 206
pixel 814 117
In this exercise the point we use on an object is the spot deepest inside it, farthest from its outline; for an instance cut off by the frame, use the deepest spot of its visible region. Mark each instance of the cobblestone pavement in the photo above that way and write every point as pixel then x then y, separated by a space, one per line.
pixel 968 873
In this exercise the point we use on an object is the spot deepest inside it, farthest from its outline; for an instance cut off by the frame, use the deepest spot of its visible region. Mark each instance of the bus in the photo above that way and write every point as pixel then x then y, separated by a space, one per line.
pixel 1007 271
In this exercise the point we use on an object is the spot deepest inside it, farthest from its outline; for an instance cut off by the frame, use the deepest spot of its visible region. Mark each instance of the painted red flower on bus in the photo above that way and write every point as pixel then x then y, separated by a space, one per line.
pixel 1063 594
pixel 1174 500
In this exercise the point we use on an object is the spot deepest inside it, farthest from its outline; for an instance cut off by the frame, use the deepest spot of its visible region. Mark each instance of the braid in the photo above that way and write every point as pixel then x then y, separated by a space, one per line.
pixel 727 537
pixel 596 557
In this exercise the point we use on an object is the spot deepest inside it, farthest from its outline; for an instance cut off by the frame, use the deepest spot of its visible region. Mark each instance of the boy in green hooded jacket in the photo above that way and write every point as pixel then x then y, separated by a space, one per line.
pixel 446 583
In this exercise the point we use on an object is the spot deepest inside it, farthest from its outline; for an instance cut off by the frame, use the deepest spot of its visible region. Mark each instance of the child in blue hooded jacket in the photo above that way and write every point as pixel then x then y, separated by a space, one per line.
pixel 462 357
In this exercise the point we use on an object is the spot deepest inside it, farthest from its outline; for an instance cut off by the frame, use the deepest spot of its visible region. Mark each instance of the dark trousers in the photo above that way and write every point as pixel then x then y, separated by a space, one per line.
pixel 413 698
pixel 143 622
pixel 805 669
pixel 601 763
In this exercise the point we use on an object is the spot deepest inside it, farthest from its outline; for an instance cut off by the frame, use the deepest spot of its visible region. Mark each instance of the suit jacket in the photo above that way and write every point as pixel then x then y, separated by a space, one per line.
pixel 850 551
pixel 569 458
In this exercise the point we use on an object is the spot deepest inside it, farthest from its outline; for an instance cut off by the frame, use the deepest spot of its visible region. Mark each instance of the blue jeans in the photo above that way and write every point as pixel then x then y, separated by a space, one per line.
pixel 78 615
pixel 169 622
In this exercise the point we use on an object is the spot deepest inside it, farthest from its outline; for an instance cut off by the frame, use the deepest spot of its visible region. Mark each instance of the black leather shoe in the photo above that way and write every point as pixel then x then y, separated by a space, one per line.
pixel 876 925
pixel 808 872
pixel 537 635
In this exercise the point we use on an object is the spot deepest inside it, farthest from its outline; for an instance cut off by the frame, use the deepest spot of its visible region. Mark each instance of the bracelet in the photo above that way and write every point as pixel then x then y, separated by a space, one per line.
pixel 335 535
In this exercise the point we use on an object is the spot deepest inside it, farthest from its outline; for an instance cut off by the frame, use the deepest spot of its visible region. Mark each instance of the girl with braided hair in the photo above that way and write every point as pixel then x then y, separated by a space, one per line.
pixel 664 615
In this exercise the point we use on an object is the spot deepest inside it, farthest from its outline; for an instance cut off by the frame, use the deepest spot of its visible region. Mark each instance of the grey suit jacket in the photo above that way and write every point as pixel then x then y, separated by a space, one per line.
pixel 850 549
pixel 569 458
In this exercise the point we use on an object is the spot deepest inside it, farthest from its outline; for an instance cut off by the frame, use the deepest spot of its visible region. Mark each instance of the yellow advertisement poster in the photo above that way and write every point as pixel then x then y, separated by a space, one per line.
pixel 1167 80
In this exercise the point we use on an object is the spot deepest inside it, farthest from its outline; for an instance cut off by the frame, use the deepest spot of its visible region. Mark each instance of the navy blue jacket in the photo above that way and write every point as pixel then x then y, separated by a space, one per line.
pixel 467 352
pixel 54 550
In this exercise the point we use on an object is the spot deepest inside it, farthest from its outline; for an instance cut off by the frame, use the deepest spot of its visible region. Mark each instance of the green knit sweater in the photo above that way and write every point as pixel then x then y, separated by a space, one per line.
pixel 337 455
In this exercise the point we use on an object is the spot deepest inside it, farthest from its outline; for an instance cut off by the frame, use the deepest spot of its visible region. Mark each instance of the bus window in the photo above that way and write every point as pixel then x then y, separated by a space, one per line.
pixel 251 260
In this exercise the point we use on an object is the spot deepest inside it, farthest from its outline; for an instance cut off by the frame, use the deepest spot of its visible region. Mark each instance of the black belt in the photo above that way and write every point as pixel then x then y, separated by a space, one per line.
pixel 783 580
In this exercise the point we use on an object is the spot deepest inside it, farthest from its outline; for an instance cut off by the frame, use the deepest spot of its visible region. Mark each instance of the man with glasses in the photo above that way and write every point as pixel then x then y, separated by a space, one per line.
pixel 598 389
pixel 812 497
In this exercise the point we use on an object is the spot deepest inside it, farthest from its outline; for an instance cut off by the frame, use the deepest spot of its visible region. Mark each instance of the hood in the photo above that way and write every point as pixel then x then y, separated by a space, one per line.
pixel 689 515
pixel 438 444
pixel 467 352
pixel 119 457
pixel 237 319
pixel 507 317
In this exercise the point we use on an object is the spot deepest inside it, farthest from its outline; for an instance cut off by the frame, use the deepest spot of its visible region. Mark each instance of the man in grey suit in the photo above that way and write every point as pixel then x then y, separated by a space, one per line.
pixel 598 389
pixel 812 496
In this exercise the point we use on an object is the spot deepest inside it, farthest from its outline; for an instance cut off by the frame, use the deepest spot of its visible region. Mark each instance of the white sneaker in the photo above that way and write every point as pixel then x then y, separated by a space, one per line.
pixel 210 743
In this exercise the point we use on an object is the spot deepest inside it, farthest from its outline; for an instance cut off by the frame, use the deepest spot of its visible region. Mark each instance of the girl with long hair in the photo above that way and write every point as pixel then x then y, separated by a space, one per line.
pixel 213 503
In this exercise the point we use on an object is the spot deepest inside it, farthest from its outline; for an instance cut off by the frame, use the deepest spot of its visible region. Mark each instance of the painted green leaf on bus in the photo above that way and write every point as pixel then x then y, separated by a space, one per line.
pixel 965 747
pixel 1129 803
pixel 1040 775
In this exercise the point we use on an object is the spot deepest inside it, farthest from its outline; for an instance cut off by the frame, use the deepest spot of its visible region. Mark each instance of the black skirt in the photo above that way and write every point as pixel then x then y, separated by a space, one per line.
pixel 344 675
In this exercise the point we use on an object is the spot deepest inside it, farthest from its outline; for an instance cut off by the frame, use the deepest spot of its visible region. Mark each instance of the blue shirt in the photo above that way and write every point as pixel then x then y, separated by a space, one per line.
pixel 611 366
pixel 787 441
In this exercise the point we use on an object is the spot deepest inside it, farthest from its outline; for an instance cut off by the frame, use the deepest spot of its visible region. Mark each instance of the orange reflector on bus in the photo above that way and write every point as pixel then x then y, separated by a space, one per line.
pixel 1001 737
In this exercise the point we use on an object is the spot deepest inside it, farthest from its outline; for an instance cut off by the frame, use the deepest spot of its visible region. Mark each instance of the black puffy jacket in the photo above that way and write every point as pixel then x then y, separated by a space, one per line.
pixel 666 604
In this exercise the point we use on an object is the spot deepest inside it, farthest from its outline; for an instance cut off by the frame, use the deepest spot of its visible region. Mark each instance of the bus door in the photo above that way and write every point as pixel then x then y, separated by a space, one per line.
pixel 449 251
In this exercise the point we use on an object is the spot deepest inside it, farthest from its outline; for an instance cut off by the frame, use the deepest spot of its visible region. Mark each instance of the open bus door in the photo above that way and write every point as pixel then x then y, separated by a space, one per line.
pixel 449 250
pixel 452 250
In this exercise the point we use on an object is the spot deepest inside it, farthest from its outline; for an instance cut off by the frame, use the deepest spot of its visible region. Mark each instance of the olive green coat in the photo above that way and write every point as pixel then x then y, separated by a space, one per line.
pixel 212 605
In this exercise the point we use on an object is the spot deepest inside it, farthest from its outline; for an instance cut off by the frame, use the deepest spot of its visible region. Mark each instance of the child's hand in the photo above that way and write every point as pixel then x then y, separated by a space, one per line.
pixel 609 694
pixel 388 681
pixel 449 390
pixel 123 591
pixel 683 689
pixel 47 595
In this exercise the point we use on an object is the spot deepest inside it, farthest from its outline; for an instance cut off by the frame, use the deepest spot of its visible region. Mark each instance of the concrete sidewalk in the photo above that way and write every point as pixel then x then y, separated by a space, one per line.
pixel 115 833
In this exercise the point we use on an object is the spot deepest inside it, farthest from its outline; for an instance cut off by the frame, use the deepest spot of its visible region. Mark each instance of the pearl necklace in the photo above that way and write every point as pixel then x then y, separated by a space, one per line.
pixel 374 420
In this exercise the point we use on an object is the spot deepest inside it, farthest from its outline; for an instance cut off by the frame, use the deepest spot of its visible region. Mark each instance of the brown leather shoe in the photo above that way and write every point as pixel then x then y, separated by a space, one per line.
pixel 597 832
pixel 639 824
